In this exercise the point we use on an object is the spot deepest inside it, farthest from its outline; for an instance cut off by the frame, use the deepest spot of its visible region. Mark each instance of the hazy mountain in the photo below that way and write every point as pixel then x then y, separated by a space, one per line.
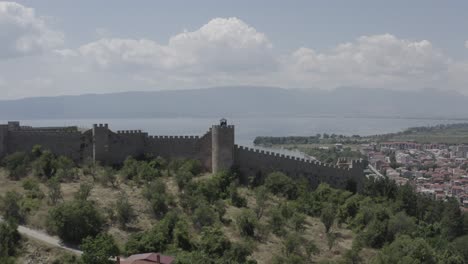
pixel 242 101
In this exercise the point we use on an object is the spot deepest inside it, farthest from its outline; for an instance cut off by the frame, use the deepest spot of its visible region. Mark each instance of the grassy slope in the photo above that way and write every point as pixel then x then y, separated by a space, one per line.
pixel 105 197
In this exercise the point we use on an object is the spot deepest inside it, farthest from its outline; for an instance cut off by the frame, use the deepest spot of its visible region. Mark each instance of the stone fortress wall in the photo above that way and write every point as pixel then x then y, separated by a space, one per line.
pixel 215 149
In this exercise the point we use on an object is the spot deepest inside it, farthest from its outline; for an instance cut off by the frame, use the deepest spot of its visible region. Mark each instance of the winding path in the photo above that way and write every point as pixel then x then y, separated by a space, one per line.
pixel 43 237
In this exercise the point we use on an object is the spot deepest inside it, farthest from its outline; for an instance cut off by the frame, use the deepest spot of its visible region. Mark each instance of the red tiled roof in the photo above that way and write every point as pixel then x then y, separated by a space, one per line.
pixel 148 258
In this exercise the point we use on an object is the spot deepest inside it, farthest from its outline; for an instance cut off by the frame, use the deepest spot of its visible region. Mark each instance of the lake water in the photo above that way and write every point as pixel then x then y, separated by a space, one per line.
pixel 248 128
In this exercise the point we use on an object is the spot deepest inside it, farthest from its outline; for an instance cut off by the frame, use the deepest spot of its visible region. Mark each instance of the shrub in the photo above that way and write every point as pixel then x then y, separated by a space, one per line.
pixel 183 177
pixel 107 175
pixel 73 221
pixel 99 249
pixel 17 164
pixel 129 169
pixel 192 166
pixel 45 165
pixel 279 183
pixel 328 216
pixel 55 192
pixel 204 215
pixel 276 222
pixel 213 242
pixel 182 236
pixel 10 207
pixel 84 191
pixel 236 199
pixel 9 240
pixel 124 210
pixel 247 223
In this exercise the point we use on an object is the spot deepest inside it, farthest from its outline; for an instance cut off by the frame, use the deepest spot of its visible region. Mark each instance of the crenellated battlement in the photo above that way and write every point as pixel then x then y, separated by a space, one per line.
pixel 215 149
pixel 130 132
pixel 174 137
pixel 46 132
pixel 101 126
pixel 287 158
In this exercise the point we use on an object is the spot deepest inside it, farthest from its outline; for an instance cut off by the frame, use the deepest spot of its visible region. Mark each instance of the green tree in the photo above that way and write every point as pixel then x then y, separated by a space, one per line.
pixel 247 223
pixel 45 165
pixel 99 249
pixel 328 216
pixel 279 183
pixel 406 250
pixel 74 220
pixel 17 165
pixel 204 215
pixel 84 191
pixel 331 240
pixel 213 242
pixel 10 207
pixel 460 244
pixel 261 199
pixel 182 236
pixel 55 191
pixel 452 220
pixel 106 176
pixel 9 240
pixel 125 212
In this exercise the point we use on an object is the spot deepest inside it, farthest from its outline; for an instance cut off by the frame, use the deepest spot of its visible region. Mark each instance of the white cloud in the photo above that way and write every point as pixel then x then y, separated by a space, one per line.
pixel 371 61
pixel 24 33
pixel 224 51
pixel 222 45
pixel 466 44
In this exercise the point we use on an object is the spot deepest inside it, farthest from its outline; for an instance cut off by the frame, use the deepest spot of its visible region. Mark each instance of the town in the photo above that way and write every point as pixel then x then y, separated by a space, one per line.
pixel 436 170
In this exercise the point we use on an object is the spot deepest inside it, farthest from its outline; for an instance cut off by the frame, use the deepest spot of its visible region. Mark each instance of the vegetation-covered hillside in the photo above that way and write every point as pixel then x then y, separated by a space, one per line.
pixel 154 205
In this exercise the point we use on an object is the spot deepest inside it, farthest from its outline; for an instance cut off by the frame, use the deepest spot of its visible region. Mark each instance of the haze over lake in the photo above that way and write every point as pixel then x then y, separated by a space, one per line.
pixel 248 128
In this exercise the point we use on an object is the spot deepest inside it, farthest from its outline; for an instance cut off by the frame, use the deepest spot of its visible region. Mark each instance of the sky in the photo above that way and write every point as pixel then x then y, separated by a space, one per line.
pixel 60 47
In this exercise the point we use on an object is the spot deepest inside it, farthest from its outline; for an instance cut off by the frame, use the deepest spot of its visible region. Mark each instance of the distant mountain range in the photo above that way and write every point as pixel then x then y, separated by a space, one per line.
pixel 243 102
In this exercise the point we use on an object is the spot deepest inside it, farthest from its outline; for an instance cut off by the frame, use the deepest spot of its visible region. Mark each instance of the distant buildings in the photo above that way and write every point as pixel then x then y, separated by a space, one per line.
pixel 436 170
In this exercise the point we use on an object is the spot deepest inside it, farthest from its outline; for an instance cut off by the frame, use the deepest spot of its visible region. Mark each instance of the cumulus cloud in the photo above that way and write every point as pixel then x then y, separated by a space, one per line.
pixel 224 51
pixel 371 61
pixel 221 45
pixel 24 33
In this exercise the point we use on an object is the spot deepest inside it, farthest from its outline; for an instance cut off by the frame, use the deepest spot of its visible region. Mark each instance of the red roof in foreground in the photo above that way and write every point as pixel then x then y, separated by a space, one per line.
pixel 148 258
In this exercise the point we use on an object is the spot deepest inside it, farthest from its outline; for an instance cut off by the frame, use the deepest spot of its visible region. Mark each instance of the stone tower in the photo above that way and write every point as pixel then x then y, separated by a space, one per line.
pixel 222 146
pixel 100 142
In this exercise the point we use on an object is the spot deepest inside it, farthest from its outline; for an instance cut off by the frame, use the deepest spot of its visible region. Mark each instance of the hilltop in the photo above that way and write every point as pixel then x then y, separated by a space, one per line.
pixel 176 208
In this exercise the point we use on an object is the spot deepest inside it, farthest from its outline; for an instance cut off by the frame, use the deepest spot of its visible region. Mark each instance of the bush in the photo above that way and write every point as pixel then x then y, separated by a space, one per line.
pixel 55 192
pixel 107 175
pixel 328 217
pixel 124 210
pixel 277 222
pixel 155 240
pixel 17 164
pixel 279 183
pixel 10 207
pixel 192 166
pixel 183 177
pixel 204 215
pixel 247 223
pixel 73 221
pixel 129 169
pixel 236 199
pixel 45 165
pixel 84 191
pixel 213 242
pixel 99 249
pixel 406 250
pixel 9 240
pixel 182 236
